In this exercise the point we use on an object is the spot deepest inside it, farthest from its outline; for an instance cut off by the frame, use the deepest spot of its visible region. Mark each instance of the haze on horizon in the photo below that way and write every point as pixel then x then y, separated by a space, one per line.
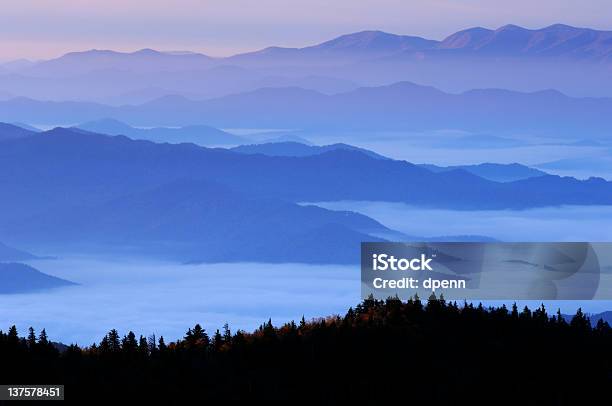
pixel 37 29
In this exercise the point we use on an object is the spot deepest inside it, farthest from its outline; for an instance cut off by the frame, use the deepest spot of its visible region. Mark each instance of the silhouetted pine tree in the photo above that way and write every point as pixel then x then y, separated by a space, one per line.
pixel 104 347
pixel 13 336
pixel 197 337
pixel 129 345
pixel 161 346
pixel 114 343
pixel 143 347
pixel 302 323
pixel 227 333
pixel 152 344
pixel 580 322
pixel 602 327
pixel 31 338
pixel 560 319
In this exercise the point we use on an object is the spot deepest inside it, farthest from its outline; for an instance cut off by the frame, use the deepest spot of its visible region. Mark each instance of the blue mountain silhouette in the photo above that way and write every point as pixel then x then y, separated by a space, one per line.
pixel 197 134
pixel 197 220
pixel 10 254
pixel 297 149
pixel 400 106
pixel 21 278
pixel 491 171
pixel 12 131
pixel 198 203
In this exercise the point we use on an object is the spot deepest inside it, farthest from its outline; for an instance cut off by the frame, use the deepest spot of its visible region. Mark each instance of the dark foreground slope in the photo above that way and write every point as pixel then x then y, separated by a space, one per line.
pixel 440 354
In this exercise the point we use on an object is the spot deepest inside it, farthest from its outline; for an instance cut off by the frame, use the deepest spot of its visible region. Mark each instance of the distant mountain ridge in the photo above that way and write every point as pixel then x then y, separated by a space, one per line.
pixel 121 166
pixel 197 134
pixel 359 45
pixel 375 41
pixel 202 204
pixel 494 172
pixel 198 220
pixel 557 40
pixel 573 60
pixel 400 106
pixel 297 149
pixel 491 171
pixel 143 60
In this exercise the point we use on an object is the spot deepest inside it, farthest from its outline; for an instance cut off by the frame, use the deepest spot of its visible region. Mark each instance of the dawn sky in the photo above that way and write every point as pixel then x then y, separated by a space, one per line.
pixel 48 28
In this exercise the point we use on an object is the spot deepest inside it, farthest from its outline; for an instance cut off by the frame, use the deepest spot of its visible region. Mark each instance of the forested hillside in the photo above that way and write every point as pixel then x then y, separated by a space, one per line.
pixel 381 350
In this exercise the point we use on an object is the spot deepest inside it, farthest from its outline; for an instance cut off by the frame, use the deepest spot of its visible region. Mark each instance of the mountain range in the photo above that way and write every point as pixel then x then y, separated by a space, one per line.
pixel 573 60
pixel 558 40
pixel 96 167
pixel 396 107
pixel 298 149
pixel 554 41
pixel 509 41
pixel 494 172
pixel 144 60
pixel 199 220
pixel 202 204
pixel 490 171
pixel 197 134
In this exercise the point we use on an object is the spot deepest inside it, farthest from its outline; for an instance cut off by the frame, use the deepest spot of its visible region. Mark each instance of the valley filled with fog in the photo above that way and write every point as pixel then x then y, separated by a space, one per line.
pixel 153 190
pixel 554 224
pixel 158 297
pixel 162 297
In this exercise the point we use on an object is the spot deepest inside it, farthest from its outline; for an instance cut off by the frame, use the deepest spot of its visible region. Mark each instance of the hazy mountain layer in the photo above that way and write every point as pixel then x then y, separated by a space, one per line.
pixel 397 107
pixel 21 278
pixel 570 59
pixel 297 149
pixel 201 204
pixel 494 172
pixel 10 254
pixel 197 134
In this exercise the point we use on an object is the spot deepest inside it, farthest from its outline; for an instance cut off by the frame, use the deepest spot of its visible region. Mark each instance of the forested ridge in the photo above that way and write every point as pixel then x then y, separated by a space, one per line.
pixel 435 352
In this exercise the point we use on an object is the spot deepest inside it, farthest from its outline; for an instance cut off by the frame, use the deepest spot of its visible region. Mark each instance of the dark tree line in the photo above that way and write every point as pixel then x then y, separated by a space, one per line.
pixel 381 350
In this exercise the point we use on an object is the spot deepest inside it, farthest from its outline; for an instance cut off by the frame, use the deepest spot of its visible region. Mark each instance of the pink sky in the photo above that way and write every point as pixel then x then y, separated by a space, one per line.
pixel 48 28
